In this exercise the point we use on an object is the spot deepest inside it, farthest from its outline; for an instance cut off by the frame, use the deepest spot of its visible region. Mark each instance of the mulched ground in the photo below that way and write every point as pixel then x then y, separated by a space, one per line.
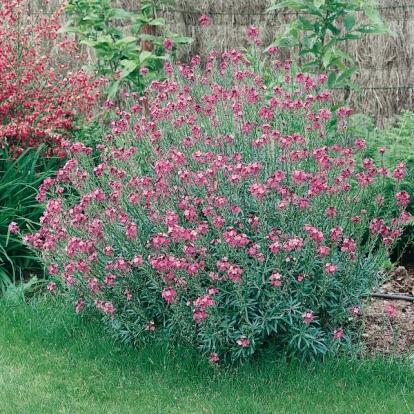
pixel 389 324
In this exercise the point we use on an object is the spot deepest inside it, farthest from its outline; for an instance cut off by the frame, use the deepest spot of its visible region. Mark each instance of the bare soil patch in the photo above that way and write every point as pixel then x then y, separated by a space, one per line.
pixel 389 324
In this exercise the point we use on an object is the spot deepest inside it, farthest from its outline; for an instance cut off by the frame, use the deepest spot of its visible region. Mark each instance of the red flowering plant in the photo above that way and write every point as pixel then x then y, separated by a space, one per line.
pixel 221 218
pixel 39 96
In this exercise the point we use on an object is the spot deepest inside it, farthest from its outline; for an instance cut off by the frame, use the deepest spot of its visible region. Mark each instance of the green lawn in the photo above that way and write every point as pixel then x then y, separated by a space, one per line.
pixel 53 361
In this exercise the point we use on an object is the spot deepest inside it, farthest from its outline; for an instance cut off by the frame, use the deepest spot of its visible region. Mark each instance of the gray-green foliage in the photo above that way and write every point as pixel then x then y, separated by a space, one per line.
pixel 119 56
pixel 321 29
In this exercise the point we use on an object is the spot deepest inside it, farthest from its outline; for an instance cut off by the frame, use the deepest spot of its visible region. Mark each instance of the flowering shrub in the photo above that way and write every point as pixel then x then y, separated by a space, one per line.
pixel 223 218
pixel 39 96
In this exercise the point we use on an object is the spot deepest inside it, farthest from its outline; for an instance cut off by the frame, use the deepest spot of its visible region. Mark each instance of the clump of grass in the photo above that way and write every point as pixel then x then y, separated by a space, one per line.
pixel 53 360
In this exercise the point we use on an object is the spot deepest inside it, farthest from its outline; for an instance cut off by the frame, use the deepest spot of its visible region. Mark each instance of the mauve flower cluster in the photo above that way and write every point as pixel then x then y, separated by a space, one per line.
pixel 229 215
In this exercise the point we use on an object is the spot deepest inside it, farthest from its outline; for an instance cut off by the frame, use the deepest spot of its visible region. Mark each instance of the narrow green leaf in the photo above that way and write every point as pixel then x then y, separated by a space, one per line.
pixel 354 86
pixel 281 5
pixel 331 79
pixel 347 73
pixel 183 40
pixel 349 36
pixel 343 55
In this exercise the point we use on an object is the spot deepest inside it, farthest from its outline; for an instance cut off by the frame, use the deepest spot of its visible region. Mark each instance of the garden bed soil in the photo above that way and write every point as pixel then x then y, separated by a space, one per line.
pixel 392 332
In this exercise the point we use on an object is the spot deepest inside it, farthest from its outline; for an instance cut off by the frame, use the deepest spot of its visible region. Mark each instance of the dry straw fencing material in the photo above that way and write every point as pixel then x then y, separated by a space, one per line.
pixel 385 63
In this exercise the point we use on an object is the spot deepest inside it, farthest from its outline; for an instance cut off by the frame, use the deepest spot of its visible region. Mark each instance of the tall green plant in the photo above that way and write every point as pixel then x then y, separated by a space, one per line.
pixel 131 60
pixel 19 181
pixel 322 28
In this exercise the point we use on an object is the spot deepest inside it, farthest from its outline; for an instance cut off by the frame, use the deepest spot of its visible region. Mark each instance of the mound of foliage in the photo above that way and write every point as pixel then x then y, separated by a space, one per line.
pixel 228 215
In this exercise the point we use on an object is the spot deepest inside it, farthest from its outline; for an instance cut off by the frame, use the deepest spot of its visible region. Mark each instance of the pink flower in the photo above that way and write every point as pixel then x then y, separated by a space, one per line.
pixel 214 357
pixel 252 32
pixel 14 228
pixel 272 50
pixel 143 71
pixel 308 316
pixel 168 44
pixel 355 311
pixel 243 341
pixel 150 326
pixel 234 272
pixel 391 310
pixel 204 20
pixel 338 333
pixel 127 294
pixel 170 295
pixel 403 198
pixel 276 279
pixel 51 287
pixel 322 78
pixel 79 305
pixel 330 268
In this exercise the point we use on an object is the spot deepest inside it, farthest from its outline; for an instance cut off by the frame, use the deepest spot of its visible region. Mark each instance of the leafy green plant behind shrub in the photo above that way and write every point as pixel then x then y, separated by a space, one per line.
pixel 391 145
pixel 122 59
pixel 223 219
pixel 320 29
pixel 19 181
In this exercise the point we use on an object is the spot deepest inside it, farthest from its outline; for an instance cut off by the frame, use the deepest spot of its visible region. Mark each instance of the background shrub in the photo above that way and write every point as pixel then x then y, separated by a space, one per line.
pixel 398 141
pixel 222 218
pixel 39 97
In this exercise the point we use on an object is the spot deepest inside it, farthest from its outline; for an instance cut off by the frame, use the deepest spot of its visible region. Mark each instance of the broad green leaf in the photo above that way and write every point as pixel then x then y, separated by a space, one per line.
pixel 68 29
pixel 129 64
pixel 347 73
pixel 91 43
pixel 144 55
pixel 326 60
pixel 120 14
pixel 305 23
pixel 126 40
pixel 149 37
pixel 331 79
pixel 318 3
pixel 159 21
pixel 128 68
pixel 349 22
pixel 113 89
pixel 105 39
